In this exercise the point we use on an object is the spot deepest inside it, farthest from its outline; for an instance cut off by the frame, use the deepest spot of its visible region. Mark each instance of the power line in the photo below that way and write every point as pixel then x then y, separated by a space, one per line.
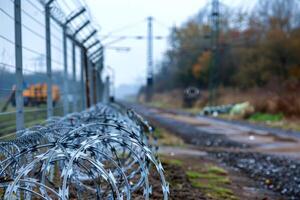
pixel 7 14
pixel 162 24
pixel 31 17
pixel 121 29
pixel 32 51
pixel 6 65
pixel 36 7
pixel 56 37
pixel 57 48
pixel 33 32
pixel 6 39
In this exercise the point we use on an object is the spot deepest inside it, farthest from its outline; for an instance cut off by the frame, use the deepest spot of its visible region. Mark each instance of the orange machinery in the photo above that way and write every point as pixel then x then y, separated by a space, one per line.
pixel 37 94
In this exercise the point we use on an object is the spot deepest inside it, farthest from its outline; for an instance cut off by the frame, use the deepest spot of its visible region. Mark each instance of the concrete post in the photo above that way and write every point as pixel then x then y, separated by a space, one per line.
pixel 149 86
pixel 106 90
pixel 74 87
pixel 91 84
pixel 82 88
pixel 66 82
pixel 48 58
pixel 19 66
pixel 87 80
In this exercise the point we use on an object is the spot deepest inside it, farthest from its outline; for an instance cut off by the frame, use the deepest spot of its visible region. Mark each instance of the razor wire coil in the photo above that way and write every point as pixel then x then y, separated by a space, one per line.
pixel 101 153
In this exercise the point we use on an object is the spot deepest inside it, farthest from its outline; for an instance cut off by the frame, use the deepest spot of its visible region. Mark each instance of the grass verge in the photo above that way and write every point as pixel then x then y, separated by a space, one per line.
pixel 167 139
pixel 213 181
pixel 265 117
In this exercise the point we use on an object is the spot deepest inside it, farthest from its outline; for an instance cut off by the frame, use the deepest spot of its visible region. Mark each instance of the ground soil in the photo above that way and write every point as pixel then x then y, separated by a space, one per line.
pixel 180 186
pixel 243 184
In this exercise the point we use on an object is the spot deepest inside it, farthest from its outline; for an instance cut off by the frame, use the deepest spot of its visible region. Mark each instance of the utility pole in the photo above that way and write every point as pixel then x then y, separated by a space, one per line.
pixel 149 86
pixel 213 72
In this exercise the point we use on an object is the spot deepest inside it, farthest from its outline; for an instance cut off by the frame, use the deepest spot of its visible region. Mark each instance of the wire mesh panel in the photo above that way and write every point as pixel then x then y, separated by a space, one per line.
pixel 7 69
pixel 57 68
pixel 34 62
pixel 50 74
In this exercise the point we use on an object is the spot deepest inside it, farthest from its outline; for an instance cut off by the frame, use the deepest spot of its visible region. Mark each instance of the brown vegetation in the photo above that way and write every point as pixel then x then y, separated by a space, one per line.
pixel 258 58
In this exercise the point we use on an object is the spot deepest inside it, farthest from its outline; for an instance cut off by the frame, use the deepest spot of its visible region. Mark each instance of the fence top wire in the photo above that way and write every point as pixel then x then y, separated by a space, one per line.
pixel 60 11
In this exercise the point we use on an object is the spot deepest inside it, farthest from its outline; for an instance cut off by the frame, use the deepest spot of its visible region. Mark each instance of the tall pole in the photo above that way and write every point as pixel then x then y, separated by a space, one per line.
pixel 106 90
pixel 74 87
pixel 94 70
pixel 213 72
pixel 101 83
pixel 19 66
pixel 149 86
pixel 87 79
pixel 66 82
pixel 82 88
pixel 48 55
pixel 91 81
pixel 112 82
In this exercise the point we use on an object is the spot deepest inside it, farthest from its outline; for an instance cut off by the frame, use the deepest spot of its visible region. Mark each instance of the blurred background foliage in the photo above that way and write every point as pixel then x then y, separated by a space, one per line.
pixel 257 48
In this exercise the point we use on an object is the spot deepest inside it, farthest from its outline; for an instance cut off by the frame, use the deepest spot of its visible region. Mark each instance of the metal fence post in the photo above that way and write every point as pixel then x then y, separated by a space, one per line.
pixel 106 90
pixel 87 80
pixel 101 67
pixel 74 93
pixel 95 83
pixel 91 85
pixel 66 87
pixel 101 87
pixel 19 66
pixel 48 55
pixel 82 88
pixel 98 79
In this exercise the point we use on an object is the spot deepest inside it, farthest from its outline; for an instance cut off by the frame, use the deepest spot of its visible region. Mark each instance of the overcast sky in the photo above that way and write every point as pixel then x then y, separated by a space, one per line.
pixel 112 15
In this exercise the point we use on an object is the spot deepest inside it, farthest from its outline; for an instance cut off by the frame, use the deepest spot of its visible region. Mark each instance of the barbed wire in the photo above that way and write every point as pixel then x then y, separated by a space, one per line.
pixel 100 153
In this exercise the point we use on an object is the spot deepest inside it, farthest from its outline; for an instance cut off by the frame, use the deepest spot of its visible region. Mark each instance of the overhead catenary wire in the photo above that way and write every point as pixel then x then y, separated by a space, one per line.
pixel 123 28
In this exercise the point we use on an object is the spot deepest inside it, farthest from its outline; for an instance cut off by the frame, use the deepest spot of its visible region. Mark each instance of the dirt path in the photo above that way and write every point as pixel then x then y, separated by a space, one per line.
pixel 260 140
pixel 258 156
pixel 189 159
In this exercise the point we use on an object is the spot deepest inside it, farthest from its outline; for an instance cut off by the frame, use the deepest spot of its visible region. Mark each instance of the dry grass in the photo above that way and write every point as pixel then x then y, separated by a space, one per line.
pixel 165 138
pixel 271 99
